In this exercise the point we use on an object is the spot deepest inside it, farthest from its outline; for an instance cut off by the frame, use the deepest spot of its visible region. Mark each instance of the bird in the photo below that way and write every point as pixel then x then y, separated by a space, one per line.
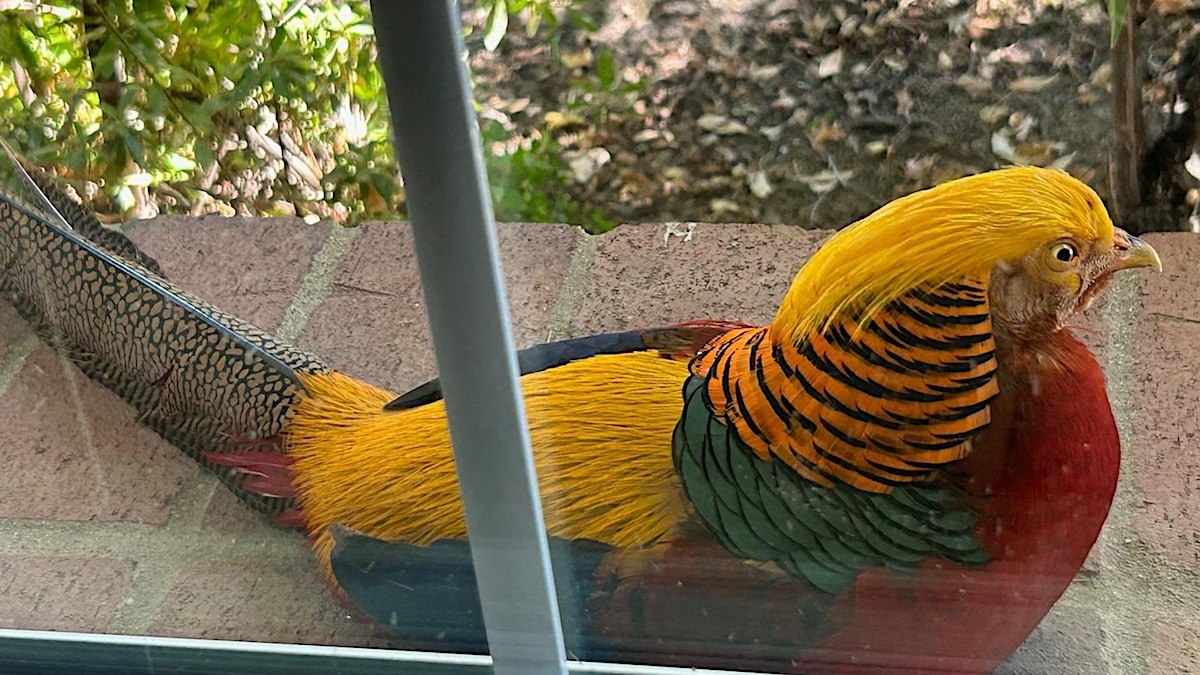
pixel 901 473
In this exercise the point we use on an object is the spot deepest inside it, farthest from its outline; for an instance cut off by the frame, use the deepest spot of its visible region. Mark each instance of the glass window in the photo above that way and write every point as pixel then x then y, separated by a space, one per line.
pixel 901 462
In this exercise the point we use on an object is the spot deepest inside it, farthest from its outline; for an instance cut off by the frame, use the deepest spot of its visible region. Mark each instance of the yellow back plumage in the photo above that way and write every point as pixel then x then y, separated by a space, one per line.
pixel 601 435
pixel 959 229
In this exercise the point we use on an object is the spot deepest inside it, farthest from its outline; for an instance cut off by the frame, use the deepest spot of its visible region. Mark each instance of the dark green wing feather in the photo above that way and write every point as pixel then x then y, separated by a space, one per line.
pixel 764 511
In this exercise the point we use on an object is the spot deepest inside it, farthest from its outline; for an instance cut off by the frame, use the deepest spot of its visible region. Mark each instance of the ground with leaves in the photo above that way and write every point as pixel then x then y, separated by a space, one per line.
pixel 815 113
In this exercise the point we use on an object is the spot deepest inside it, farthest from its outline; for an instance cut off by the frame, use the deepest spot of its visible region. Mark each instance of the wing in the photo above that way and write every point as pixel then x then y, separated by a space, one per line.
pixel 763 510
pixel 827 457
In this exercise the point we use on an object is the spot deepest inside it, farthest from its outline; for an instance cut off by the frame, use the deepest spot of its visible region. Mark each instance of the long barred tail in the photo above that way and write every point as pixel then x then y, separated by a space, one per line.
pixel 207 382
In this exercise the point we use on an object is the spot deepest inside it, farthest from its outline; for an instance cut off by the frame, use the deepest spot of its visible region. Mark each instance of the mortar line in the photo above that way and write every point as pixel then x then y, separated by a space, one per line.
pixel 574 282
pixel 187 509
pixel 154 576
pixel 159 555
pixel 316 283
pixel 136 541
pixel 1125 633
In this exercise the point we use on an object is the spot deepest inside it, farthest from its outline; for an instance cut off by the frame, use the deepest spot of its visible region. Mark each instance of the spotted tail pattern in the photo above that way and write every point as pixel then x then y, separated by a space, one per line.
pixel 204 380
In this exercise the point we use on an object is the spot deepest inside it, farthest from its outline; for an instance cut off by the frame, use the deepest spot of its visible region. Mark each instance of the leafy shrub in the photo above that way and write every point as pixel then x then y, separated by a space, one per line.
pixel 188 106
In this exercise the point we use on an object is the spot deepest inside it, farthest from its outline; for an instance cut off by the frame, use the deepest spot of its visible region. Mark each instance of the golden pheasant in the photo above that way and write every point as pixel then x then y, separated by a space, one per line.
pixel 901 473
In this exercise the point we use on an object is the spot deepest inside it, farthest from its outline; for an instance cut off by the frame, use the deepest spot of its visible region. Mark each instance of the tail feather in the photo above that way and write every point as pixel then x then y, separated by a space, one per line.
pixel 50 200
pixel 199 377
pixel 267 472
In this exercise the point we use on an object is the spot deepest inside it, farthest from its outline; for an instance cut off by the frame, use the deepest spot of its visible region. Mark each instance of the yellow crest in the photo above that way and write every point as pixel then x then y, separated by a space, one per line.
pixel 958 230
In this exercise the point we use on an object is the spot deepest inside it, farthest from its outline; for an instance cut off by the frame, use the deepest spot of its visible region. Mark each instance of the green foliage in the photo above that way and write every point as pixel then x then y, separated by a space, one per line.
pixel 194 99
pixel 538 14
pixel 195 106
pixel 527 179
pixel 1117 12
pixel 528 176
pixel 602 89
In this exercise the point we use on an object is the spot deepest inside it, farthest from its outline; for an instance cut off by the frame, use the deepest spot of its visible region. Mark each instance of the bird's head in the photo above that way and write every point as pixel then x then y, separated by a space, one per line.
pixel 1041 239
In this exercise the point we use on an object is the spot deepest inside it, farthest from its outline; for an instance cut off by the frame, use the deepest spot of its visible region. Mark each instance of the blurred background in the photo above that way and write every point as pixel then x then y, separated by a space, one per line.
pixel 773 111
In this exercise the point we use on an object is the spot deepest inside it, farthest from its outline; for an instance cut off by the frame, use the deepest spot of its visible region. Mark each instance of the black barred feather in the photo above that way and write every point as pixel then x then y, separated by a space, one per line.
pixel 874 406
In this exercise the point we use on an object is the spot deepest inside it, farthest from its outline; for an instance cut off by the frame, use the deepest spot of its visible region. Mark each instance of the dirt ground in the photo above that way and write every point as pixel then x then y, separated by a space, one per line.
pixel 814 113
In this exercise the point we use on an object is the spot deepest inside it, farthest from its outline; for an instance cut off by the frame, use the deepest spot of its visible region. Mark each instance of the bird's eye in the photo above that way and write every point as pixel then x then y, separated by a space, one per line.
pixel 1064 252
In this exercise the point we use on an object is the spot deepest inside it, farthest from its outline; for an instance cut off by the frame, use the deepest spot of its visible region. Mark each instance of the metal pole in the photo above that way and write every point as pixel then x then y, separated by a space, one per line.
pixel 437 142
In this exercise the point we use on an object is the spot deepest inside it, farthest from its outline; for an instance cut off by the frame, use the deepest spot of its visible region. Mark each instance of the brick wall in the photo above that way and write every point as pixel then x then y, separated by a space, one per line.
pixel 104 527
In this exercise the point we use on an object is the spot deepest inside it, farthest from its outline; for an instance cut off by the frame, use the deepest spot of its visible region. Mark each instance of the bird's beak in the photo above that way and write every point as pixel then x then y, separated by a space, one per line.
pixel 1132 252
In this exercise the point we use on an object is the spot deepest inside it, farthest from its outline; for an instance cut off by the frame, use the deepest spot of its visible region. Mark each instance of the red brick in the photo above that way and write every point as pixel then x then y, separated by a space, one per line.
pixel 733 272
pixel 74 451
pixel 373 324
pixel 535 258
pixel 1175 650
pixel 62 592
pixel 1165 449
pixel 250 268
pixel 1070 634
pixel 249 599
